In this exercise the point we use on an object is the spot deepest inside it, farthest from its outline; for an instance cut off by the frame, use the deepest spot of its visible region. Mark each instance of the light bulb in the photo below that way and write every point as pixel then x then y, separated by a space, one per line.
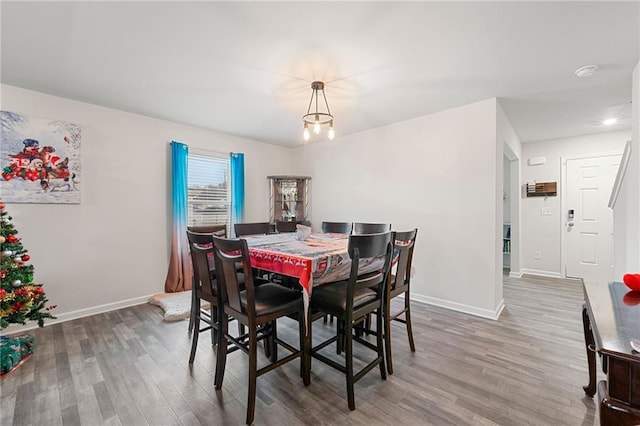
pixel 316 125
pixel 305 134
pixel 332 133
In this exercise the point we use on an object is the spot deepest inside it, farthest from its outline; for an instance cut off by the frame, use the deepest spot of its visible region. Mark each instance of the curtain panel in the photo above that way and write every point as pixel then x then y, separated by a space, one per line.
pixel 237 187
pixel 179 276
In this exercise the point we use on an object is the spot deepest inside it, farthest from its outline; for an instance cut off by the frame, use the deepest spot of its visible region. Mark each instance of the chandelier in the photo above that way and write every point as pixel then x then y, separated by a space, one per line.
pixel 317 118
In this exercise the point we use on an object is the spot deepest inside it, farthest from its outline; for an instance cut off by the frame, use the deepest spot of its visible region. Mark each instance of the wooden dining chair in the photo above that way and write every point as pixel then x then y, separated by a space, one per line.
pixel 255 228
pixel 258 308
pixel 219 230
pixel 337 227
pixel 286 226
pixel 351 301
pixel 398 284
pixel 205 287
pixel 360 228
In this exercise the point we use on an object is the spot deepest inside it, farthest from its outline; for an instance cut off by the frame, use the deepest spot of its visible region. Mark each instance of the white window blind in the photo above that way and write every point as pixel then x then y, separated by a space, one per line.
pixel 208 190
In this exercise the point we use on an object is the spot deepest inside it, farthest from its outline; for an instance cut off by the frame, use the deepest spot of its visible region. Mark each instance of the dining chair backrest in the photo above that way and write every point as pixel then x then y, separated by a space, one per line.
pixel 286 226
pixel 367 247
pixel 201 248
pixel 256 228
pixel 403 245
pixel 229 253
pixel 370 228
pixel 337 227
pixel 219 230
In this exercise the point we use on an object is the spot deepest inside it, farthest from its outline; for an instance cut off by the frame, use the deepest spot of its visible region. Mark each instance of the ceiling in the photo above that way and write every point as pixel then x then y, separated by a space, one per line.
pixel 245 68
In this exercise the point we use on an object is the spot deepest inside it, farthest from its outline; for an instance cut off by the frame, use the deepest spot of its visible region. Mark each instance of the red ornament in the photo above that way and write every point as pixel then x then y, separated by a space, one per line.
pixel 632 281
pixel 25 257
pixel 1 205
pixel 12 238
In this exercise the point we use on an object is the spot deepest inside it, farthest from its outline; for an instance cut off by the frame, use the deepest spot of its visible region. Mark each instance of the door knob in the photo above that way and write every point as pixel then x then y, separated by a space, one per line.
pixel 570 223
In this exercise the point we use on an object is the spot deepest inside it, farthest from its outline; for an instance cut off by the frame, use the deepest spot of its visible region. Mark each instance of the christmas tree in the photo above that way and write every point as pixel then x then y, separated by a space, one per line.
pixel 21 300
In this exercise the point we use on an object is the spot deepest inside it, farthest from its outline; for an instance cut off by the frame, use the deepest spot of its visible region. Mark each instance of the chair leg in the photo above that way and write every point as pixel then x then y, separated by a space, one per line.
pixel 305 347
pixel 192 314
pixel 407 317
pixel 213 311
pixel 195 333
pixel 274 343
pixel 363 325
pixel 267 341
pixel 358 328
pixel 253 366
pixel 387 336
pixel 348 354
pixel 380 343
pixel 340 333
pixel 221 354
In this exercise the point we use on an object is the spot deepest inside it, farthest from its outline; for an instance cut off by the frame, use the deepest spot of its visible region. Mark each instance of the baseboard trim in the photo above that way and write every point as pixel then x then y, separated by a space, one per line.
pixel 460 307
pixel 540 273
pixel 515 274
pixel 80 313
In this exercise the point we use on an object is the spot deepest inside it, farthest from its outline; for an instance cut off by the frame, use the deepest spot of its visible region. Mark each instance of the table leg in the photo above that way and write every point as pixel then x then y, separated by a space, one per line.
pixel 589 341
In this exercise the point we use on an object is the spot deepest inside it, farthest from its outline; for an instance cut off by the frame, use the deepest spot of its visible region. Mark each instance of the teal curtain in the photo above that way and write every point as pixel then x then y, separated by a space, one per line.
pixel 179 274
pixel 237 188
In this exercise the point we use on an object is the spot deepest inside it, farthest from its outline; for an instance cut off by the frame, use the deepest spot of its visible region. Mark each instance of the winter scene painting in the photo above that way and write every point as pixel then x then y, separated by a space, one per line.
pixel 39 159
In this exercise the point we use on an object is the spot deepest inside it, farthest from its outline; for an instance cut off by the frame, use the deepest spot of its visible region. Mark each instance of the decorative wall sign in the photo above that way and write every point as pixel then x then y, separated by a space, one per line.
pixel 39 160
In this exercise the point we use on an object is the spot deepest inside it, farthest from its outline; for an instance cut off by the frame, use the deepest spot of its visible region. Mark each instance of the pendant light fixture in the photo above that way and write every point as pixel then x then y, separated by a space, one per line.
pixel 316 118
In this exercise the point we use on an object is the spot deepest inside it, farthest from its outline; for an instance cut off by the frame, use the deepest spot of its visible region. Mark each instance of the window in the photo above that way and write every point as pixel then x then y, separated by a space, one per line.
pixel 208 190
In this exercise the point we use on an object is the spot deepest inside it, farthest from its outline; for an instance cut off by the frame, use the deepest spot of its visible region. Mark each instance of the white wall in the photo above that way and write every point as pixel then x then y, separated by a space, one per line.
pixel 437 173
pixel 544 233
pixel 112 249
pixel 509 147
pixel 626 215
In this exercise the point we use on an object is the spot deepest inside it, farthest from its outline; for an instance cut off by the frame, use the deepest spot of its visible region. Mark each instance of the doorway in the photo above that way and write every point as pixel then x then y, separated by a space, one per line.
pixel 587 220
pixel 506 216
pixel 511 213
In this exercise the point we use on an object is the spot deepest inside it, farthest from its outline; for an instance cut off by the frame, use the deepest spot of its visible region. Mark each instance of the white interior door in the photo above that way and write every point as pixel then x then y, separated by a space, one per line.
pixel 590 232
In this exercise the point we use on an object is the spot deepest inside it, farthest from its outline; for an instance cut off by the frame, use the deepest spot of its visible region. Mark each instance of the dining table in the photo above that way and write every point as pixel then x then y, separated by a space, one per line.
pixel 318 259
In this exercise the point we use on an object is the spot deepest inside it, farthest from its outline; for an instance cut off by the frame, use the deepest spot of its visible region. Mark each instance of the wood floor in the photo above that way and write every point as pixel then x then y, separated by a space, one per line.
pixel 127 367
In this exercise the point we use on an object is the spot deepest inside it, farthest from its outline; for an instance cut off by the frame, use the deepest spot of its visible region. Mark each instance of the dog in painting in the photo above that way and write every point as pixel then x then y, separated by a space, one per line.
pixel 59 178
pixel 66 184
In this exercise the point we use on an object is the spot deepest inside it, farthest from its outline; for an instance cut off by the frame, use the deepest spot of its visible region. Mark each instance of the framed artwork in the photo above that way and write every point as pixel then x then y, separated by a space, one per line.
pixel 39 160
pixel 622 169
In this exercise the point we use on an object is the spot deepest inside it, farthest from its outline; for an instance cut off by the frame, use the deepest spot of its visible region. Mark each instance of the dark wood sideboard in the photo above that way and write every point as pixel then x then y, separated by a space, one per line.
pixel 611 318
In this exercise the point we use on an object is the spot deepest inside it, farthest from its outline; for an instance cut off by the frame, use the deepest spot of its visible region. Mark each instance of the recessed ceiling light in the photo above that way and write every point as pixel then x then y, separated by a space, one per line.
pixel 610 121
pixel 586 71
